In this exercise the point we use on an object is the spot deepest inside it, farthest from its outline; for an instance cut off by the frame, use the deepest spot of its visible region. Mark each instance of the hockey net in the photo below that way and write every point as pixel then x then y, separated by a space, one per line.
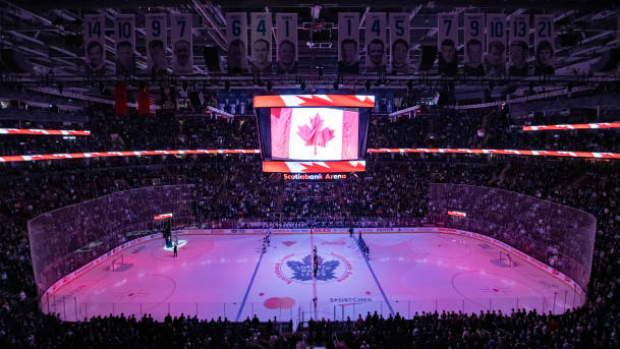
pixel 117 262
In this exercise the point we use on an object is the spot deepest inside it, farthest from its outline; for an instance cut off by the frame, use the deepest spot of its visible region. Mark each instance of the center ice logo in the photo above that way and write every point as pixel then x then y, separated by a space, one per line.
pixel 330 269
pixel 303 271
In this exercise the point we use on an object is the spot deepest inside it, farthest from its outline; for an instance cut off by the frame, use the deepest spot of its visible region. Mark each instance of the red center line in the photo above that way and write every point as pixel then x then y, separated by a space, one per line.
pixel 314 293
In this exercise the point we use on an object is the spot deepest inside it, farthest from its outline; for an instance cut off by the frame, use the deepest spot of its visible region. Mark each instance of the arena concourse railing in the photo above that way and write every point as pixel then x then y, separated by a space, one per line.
pixel 558 236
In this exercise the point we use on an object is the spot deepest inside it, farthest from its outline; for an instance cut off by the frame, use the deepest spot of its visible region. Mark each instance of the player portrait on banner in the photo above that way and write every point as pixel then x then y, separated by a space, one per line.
pixel 94 44
pixel 544 58
pixel 496 41
pixel 287 43
pixel 496 58
pixel 519 55
pixel 400 57
pixel 287 60
pixel 181 34
pixel 376 55
pixel 447 36
pixel 519 45
pixel 376 24
pixel 237 36
pixel 399 43
pixel 474 38
pixel 156 44
pixel 124 32
pixel 261 56
pixel 348 43
pixel 543 37
pixel 260 24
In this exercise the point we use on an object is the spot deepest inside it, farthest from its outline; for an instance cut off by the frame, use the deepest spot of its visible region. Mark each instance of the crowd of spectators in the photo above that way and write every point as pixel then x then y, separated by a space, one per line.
pixel 394 189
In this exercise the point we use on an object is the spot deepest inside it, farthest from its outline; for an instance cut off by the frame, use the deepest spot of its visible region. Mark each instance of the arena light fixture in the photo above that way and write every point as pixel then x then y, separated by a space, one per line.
pixel 42 132
pixel 555 153
pixel 573 126
pixel 558 153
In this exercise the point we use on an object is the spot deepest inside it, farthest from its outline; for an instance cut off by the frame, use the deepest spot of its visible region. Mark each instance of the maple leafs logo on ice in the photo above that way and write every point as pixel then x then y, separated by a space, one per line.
pixel 315 135
pixel 303 271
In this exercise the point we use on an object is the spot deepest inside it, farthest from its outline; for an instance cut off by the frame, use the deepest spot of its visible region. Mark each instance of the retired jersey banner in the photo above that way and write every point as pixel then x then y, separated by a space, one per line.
pixel 156 43
pixel 544 36
pixel 519 45
pixel 399 43
pixel 376 37
pixel 496 44
pixel 287 42
pixel 260 34
pixel 447 41
pixel 125 41
pixel 348 42
pixel 237 37
pixel 181 36
pixel 94 44
pixel 474 43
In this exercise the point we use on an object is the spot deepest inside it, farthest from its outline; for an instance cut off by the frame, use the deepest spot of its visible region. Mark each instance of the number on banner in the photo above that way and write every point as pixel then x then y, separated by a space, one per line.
pixel 156 27
pixel 349 26
pixel 236 28
pixel 376 27
pixel 261 27
pixel 448 23
pixel 545 29
pixel 399 27
pixel 287 30
pixel 519 29
pixel 181 24
pixel 124 30
pixel 497 30
pixel 94 29
pixel 474 25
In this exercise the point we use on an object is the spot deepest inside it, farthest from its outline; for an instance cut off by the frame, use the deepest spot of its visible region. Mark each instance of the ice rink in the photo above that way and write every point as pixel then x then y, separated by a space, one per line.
pixel 228 275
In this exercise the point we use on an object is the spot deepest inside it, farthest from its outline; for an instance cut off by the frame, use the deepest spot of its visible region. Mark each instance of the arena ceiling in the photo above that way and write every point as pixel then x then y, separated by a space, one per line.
pixel 47 35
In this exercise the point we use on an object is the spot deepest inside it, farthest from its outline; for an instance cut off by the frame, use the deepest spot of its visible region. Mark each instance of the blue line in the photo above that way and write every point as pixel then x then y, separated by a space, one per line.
pixel 376 280
pixel 247 292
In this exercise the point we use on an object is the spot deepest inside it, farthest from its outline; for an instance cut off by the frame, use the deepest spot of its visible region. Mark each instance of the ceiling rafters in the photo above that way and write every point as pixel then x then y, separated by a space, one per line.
pixel 214 30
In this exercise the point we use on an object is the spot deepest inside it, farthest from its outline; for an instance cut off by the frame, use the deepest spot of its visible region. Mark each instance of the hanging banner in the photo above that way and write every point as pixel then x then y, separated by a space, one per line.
pixel 496 44
pixel 125 41
pixel 287 42
pixel 156 43
pixel 260 34
pixel 94 44
pixel 544 38
pixel 376 25
pixel 348 42
pixel 519 45
pixel 237 37
pixel 399 43
pixel 447 41
pixel 181 37
pixel 474 39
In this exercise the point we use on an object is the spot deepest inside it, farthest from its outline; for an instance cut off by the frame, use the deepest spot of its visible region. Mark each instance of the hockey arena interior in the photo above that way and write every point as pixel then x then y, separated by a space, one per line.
pixel 279 174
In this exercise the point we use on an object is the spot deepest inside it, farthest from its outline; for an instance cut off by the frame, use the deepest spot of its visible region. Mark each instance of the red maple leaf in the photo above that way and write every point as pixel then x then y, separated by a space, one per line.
pixel 315 135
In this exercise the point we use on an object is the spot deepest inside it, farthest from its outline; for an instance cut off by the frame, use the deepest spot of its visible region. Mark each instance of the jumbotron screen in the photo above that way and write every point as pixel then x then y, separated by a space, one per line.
pixel 313 133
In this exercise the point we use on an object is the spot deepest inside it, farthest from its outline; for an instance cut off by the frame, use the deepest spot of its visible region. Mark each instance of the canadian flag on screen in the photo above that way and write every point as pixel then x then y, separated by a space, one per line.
pixel 314 134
